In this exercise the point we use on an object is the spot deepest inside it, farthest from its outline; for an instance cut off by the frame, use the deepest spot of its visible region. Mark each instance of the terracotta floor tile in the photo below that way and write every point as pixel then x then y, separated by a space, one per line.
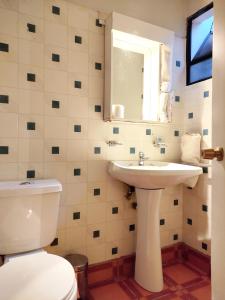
pixel 100 275
pixel 140 290
pixel 111 291
pixel 180 273
pixel 203 293
pixel 182 283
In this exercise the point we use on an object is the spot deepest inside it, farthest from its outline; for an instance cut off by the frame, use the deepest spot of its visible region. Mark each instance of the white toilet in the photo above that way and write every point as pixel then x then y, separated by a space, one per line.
pixel 28 222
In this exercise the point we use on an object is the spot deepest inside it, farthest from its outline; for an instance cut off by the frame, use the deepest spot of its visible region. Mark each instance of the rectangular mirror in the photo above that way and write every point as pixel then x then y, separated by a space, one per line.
pixel 137 67
pixel 128 84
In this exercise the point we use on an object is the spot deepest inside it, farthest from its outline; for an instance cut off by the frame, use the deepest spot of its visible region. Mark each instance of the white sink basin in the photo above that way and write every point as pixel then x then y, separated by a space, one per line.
pixel 149 180
pixel 154 174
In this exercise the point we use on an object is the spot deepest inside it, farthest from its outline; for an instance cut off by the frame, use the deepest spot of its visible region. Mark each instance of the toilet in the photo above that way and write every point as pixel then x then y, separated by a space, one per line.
pixel 28 214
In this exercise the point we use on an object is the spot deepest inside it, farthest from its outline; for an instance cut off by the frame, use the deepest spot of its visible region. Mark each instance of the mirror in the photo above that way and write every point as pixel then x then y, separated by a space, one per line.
pixel 134 70
pixel 127 93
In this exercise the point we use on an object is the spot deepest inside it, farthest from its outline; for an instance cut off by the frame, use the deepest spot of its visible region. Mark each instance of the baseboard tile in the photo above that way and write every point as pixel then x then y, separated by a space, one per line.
pixel 123 267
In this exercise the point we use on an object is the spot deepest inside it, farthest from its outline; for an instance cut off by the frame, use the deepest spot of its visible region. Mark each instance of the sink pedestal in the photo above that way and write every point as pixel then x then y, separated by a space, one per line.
pixel 149 180
pixel 148 267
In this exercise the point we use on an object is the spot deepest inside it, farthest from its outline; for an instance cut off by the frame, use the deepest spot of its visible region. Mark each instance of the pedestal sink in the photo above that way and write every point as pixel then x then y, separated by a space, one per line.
pixel 149 180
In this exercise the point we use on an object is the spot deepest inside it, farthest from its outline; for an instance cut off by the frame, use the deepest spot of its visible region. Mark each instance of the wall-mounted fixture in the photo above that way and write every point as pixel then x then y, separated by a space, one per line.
pixel 159 142
pixel 112 143
pixel 138 58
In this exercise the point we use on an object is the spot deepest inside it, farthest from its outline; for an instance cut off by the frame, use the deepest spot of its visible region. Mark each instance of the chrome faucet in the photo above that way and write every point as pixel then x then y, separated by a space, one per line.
pixel 142 158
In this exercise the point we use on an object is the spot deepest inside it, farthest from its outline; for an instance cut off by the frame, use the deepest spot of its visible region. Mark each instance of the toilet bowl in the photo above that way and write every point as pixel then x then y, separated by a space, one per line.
pixel 37 275
pixel 29 214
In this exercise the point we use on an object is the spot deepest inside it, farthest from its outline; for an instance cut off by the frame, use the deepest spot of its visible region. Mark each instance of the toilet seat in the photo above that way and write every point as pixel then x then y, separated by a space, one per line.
pixel 37 275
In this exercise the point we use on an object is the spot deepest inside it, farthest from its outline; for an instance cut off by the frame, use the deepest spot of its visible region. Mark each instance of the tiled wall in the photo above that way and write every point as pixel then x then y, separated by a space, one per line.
pixel 196 108
pixel 197 100
pixel 51 98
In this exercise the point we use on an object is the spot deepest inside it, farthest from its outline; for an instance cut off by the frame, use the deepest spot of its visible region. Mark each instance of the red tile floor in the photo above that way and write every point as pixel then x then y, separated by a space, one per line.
pixel 181 281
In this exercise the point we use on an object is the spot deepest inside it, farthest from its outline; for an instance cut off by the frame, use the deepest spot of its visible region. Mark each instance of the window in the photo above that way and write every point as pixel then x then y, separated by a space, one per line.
pixel 199 45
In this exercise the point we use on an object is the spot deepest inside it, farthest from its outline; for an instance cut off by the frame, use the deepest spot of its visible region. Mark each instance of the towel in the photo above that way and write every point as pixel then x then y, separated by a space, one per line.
pixel 190 148
pixel 165 63
pixel 165 87
pixel 165 107
pixel 165 103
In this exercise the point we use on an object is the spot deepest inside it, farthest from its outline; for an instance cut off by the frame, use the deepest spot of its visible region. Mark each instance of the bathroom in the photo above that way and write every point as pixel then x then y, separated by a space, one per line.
pixel 59 121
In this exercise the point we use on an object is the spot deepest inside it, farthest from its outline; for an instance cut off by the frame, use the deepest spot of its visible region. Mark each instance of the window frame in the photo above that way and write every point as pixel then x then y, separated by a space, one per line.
pixel 190 63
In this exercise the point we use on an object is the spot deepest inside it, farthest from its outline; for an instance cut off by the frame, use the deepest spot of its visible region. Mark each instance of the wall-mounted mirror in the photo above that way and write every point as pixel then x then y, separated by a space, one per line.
pixel 138 64
pixel 128 84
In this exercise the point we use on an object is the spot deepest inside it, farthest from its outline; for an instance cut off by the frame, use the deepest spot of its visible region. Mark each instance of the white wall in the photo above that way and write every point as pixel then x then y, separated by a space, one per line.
pixel 195 5
pixel 168 14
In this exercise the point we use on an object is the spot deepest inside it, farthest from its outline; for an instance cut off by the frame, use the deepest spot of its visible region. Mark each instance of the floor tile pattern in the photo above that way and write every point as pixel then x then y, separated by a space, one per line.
pixel 181 281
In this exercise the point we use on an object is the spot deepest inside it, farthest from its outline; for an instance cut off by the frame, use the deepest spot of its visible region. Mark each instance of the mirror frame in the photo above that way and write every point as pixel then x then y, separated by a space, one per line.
pixel 136 27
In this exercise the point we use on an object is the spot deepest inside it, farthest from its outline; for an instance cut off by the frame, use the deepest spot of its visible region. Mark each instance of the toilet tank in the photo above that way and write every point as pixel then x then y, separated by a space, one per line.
pixel 28 214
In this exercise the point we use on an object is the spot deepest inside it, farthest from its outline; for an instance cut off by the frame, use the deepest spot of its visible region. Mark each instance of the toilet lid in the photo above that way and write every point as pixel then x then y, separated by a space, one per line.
pixel 38 276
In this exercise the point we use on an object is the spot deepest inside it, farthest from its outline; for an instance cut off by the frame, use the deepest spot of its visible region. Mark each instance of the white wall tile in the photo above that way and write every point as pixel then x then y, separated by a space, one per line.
pixel 56 65
pixel 8 74
pixel 12 105
pixel 32 7
pixel 31 150
pixel 55 127
pixel 31 102
pixel 92 197
pixel 38 35
pixel 62 17
pixel 77 106
pixel 61 156
pixel 78 16
pixel 78 62
pixel 24 83
pixel 56 34
pixel 8 125
pixel 80 92
pixel 24 167
pixel 61 108
pixel 12 155
pixel 8 22
pixel 55 170
pixel 9 171
pixel 75 124
pixel 24 132
pixel 12 54
pixel 96 44
pixel 96 86
pixel 55 81
pixel 81 47
pixel 76 193
pixel 77 150
pixel 9 4
pixel 96 213
pixel 31 53
pixel 82 165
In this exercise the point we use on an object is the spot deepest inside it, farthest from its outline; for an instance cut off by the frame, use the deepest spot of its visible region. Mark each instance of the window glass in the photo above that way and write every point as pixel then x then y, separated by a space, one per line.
pixel 201 70
pixel 199 45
